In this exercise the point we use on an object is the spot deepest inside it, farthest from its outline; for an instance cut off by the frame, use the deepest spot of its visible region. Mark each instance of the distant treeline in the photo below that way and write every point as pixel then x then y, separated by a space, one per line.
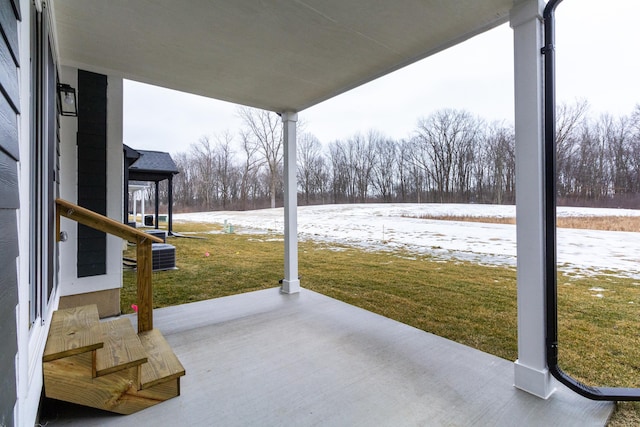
pixel 451 156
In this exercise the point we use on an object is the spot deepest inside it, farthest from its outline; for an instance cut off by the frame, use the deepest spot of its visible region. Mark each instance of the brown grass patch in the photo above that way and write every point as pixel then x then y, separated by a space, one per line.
pixel 606 223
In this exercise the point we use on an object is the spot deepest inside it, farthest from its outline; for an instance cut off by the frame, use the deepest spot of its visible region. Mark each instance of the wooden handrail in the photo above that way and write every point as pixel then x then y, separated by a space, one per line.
pixel 100 222
pixel 142 240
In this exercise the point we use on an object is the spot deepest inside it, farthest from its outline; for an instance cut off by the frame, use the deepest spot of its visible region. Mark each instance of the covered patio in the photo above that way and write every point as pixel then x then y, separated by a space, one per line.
pixel 268 358
pixel 288 355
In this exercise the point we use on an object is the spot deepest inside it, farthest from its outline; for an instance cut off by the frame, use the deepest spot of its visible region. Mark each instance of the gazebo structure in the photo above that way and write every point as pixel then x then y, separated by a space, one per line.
pixel 150 166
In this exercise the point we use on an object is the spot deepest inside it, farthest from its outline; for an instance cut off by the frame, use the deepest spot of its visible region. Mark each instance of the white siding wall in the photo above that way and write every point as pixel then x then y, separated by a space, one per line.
pixel 70 284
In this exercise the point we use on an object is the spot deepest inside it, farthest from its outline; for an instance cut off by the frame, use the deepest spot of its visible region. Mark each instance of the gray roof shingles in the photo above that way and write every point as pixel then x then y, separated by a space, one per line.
pixel 154 161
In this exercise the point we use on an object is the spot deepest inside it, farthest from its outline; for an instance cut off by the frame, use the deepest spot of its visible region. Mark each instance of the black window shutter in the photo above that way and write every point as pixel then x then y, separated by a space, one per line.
pixel 92 169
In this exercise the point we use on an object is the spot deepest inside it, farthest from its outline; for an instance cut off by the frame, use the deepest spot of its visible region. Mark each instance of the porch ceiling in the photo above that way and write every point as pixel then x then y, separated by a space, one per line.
pixel 277 55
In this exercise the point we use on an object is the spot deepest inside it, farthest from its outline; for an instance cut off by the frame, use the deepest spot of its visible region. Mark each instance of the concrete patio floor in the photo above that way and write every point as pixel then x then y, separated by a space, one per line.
pixel 269 359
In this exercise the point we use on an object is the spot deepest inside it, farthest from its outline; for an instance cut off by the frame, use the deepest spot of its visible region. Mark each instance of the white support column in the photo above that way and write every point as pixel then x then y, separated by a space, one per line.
pixel 531 371
pixel 134 199
pixel 291 283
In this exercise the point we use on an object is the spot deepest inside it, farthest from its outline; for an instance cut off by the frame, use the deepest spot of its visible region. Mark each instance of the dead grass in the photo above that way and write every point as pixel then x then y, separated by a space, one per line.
pixel 607 223
pixel 468 303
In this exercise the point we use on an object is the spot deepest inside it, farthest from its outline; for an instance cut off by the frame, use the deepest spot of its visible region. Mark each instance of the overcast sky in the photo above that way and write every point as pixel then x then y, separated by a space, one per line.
pixel 597 57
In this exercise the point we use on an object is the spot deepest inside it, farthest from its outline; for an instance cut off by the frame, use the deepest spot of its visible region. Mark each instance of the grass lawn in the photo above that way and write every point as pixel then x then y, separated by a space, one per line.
pixel 469 303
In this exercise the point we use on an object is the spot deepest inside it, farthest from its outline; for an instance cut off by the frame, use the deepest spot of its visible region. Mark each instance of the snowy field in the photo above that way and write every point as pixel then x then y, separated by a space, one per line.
pixel 392 227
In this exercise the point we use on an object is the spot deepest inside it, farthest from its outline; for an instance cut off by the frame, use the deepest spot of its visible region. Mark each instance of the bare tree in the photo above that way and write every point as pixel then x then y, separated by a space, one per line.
pixel 617 134
pixel 635 149
pixel 339 172
pixel 452 157
pixel 224 167
pixel 569 118
pixel 447 139
pixel 205 180
pixel 590 180
pixel 310 166
pixel 403 156
pixel 500 163
pixel 183 182
pixel 249 170
pixel 362 159
pixel 385 167
pixel 264 130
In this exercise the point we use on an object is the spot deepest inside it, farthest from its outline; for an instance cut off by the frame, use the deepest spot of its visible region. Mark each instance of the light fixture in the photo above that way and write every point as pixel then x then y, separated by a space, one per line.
pixel 67 104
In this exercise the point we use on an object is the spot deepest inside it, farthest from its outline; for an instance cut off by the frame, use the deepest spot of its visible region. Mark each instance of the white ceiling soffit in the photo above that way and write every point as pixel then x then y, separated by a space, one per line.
pixel 279 55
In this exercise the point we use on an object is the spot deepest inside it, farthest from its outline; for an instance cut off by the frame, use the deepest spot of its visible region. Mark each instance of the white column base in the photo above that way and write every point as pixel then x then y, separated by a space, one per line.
pixel 290 286
pixel 533 381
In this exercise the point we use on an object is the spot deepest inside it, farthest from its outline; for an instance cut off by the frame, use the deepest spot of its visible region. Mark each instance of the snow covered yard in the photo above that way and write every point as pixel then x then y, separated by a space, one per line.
pixel 392 227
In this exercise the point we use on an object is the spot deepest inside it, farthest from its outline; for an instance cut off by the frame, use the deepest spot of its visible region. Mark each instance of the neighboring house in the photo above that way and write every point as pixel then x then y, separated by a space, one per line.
pixel 150 166
pixel 279 56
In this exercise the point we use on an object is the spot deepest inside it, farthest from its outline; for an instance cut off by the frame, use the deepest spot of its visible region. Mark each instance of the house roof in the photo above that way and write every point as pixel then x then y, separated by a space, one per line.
pixel 129 153
pixel 279 55
pixel 152 166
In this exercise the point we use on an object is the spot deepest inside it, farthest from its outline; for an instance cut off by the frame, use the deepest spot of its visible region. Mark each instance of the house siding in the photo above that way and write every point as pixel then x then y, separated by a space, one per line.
pixel 9 203
pixel 92 169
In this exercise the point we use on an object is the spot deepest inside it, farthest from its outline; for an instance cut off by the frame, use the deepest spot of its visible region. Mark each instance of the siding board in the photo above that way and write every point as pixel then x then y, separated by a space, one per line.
pixel 8 235
pixel 9 202
pixel 9 198
pixel 8 129
pixel 8 288
pixel 8 75
pixel 8 302
pixel 16 9
pixel 9 27
pixel 8 381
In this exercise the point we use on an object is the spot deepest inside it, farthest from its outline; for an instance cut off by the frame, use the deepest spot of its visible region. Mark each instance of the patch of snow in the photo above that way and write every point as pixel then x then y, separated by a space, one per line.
pixel 395 227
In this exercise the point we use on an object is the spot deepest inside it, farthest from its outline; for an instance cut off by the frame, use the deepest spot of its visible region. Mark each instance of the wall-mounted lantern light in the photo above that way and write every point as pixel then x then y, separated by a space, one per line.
pixel 67 104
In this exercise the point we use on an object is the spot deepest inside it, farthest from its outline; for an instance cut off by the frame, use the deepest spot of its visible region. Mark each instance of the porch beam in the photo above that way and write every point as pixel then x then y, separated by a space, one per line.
pixel 531 371
pixel 290 283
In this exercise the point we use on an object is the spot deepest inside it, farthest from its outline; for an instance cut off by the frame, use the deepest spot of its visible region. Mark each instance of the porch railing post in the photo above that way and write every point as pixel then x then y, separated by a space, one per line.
pixel 143 248
pixel 145 293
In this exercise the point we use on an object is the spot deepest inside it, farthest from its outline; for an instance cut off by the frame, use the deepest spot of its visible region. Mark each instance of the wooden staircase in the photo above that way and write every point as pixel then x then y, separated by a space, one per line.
pixel 107 365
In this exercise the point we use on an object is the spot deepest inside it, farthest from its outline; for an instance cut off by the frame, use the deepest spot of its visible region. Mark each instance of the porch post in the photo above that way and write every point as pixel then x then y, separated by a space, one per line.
pixel 531 371
pixel 125 219
pixel 134 199
pixel 170 208
pixel 291 283
pixel 157 205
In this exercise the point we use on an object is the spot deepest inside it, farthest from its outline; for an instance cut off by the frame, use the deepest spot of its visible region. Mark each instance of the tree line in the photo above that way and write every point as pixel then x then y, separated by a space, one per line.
pixel 451 156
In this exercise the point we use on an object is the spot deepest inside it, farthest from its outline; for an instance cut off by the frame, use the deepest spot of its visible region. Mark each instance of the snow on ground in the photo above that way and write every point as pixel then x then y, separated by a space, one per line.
pixel 395 227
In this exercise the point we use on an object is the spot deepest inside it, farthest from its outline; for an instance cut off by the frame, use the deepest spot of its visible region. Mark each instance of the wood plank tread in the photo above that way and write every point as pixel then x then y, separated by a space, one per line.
pixel 73 331
pixel 122 347
pixel 162 364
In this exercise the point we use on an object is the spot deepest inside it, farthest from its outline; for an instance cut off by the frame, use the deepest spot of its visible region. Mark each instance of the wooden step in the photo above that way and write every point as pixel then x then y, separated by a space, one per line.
pixel 162 364
pixel 122 347
pixel 73 331
pixel 69 379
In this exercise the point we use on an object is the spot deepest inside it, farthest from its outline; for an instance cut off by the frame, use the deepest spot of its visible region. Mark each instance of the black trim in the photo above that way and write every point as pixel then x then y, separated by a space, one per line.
pixel 551 285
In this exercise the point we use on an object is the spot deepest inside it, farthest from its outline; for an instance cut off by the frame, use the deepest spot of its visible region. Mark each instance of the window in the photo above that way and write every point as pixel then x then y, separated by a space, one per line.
pixel 43 165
